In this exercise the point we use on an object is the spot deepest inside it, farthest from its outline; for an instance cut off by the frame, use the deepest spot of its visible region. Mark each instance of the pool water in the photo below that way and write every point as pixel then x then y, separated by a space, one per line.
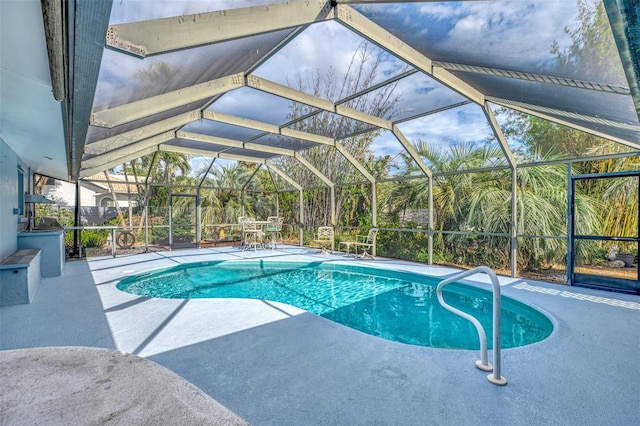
pixel 394 305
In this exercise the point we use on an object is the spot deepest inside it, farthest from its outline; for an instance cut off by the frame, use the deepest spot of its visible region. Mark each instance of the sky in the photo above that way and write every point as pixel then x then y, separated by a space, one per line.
pixel 514 35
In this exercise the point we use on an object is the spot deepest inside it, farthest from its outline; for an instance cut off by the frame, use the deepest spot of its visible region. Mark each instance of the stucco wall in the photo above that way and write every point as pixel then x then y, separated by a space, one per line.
pixel 9 199
pixel 65 194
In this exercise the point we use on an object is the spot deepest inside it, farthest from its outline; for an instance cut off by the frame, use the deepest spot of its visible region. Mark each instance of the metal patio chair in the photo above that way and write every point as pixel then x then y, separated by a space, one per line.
pixel 368 244
pixel 324 237
pixel 274 229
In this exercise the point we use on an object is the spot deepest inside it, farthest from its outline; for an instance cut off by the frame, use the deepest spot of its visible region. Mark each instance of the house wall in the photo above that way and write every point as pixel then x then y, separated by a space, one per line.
pixel 123 199
pixel 9 226
pixel 65 194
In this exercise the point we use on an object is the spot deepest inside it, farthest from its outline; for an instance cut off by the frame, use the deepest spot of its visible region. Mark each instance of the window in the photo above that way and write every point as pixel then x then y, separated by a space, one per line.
pixel 107 202
pixel 20 192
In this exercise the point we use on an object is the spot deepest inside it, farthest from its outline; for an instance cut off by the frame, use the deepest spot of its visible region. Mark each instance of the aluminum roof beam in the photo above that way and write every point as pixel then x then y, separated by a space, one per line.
pixel 378 35
pixel 283 175
pixel 265 127
pixel 538 78
pixel 156 104
pixel 118 161
pixel 398 1
pixel 144 132
pixel 313 170
pixel 214 155
pixel 497 131
pixel 355 163
pixel 180 32
pixel 412 152
pixel 315 101
pixel 210 154
pixel 127 150
pixel 546 113
pixel 231 143
pixel 146 107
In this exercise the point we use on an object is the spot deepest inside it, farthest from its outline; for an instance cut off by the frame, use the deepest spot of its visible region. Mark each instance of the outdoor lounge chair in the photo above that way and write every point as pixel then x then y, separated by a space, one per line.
pixel 367 243
pixel 324 237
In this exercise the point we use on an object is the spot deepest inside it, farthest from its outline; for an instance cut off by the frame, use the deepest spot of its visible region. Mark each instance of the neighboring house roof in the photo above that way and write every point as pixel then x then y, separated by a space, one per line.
pixel 118 182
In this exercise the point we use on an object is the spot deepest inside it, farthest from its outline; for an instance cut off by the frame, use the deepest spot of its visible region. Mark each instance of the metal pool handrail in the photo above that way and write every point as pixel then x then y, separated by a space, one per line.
pixel 482 363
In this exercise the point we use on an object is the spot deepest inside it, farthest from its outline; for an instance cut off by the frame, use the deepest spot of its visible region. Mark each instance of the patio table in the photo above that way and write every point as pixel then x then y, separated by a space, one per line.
pixel 113 235
pixel 347 245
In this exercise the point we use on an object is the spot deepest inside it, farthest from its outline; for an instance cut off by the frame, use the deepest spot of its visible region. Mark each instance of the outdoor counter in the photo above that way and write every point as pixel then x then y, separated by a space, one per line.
pixel 52 245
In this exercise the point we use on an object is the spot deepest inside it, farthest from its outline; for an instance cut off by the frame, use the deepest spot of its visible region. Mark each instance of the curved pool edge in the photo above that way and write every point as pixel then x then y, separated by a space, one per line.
pixel 529 315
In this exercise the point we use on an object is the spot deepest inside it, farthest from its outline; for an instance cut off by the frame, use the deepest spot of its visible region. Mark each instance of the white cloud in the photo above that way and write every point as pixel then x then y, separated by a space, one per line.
pixel 321 46
pixel 515 34
pixel 463 124
pixel 522 31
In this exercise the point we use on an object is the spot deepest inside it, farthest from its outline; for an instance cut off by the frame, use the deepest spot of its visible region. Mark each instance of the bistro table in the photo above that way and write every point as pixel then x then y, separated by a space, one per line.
pixel 257 229
pixel 347 245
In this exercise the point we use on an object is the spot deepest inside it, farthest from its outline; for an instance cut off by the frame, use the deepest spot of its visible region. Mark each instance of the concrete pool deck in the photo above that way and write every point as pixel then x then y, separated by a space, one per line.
pixel 273 364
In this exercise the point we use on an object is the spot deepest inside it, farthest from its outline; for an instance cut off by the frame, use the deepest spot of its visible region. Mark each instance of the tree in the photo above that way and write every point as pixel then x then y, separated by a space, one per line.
pixel 592 54
pixel 362 72
pixel 480 202
pixel 222 203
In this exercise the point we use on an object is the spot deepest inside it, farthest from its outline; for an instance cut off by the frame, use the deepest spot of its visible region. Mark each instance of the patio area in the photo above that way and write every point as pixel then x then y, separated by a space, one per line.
pixel 271 363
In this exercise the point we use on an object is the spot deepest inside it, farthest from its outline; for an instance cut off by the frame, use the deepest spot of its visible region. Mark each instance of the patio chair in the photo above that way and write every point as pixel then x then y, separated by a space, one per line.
pixel 324 237
pixel 273 229
pixel 367 243
pixel 241 221
pixel 253 235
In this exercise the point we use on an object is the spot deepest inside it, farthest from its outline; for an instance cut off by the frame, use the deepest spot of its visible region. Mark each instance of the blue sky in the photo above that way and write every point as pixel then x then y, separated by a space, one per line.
pixel 504 34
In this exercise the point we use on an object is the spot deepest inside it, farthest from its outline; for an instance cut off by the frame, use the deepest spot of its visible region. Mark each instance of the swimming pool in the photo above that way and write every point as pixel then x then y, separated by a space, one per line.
pixel 394 305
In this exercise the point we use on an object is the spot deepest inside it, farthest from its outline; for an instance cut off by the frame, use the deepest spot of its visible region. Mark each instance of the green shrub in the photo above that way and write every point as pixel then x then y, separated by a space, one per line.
pixel 94 237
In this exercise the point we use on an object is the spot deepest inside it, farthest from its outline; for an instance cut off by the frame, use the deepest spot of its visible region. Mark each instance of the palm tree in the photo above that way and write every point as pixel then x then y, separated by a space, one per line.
pixel 220 201
pixel 481 202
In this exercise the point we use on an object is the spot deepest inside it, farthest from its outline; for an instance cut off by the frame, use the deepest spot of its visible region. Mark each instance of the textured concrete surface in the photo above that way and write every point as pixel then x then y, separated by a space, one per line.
pixel 90 386
pixel 273 364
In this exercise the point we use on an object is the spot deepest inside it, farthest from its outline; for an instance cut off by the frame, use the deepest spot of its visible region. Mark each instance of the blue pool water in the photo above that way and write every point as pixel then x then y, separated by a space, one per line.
pixel 394 305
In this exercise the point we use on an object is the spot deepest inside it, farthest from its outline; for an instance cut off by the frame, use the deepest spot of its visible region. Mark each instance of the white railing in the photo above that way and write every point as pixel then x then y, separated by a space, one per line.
pixel 482 363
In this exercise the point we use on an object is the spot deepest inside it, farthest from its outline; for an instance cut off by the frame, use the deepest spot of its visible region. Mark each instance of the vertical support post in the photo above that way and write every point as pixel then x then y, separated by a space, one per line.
pixel 374 212
pixel 198 217
pixel 374 204
pixel 146 226
pixel 332 190
pixel 430 223
pixel 170 220
pixel 301 218
pixel 514 221
pixel 77 220
pixel 570 201
pixel 497 132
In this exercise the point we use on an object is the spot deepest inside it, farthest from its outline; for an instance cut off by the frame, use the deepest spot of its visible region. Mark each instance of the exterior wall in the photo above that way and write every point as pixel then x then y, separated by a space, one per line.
pixel 65 194
pixel 123 199
pixel 9 225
